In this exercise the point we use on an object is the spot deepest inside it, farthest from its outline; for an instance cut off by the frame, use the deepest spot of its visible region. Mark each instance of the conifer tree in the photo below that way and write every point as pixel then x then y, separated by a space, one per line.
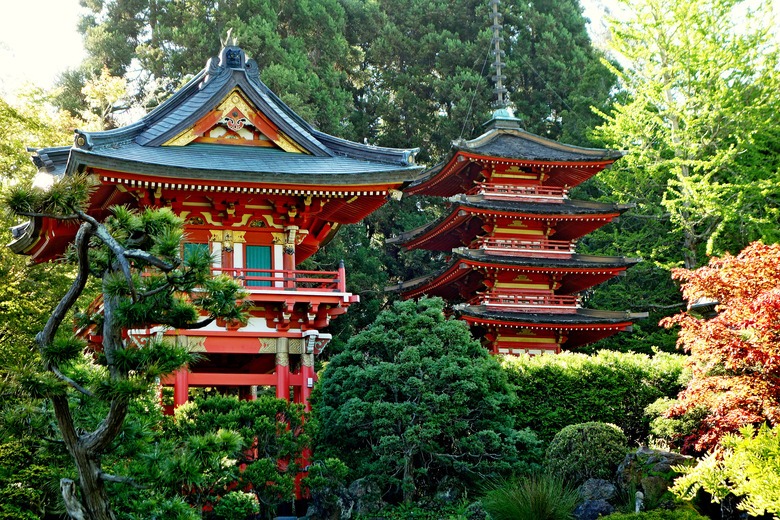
pixel 135 257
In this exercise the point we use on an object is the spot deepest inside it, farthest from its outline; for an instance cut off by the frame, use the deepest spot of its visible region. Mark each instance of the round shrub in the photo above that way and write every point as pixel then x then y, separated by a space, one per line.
pixel 587 450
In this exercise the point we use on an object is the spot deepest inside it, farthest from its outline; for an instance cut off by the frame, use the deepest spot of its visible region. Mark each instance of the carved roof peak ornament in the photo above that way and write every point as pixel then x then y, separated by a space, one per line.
pixel 229 41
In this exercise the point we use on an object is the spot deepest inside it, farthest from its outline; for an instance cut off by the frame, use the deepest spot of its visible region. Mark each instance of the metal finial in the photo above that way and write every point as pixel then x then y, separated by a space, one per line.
pixel 501 93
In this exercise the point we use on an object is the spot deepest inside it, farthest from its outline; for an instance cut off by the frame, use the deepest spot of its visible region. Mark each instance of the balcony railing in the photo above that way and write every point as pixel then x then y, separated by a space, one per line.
pixel 264 280
pixel 509 192
pixel 531 303
pixel 523 247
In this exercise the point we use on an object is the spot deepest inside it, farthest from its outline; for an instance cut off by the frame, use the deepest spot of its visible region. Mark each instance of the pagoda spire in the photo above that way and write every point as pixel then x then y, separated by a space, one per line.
pixel 502 99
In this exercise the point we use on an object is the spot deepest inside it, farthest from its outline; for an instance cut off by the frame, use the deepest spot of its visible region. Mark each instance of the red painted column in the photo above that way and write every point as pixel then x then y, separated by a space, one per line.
pixel 282 369
pixel 181 387
pixel 288 259
pixel 307 370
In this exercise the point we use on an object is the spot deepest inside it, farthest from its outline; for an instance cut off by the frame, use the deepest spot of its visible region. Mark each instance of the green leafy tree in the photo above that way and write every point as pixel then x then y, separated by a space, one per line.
pixel 173 292
pixel 701 99
pixel 414 399
pixel 748 467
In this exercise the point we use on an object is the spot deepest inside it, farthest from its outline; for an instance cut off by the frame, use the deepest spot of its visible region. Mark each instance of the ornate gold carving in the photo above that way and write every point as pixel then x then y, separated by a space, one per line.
pixel 216 235
pixel 196 343
pixel 195 221
pixel 267 345
pixel 308 360
pixel 257 223
pixel 210 219
pixel 283 359
pixel 278 238
pixel 244 219
pixel 238 237
pixel 295 345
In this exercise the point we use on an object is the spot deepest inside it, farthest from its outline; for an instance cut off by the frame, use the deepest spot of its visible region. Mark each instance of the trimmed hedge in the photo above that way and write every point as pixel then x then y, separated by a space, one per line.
pixel 615 387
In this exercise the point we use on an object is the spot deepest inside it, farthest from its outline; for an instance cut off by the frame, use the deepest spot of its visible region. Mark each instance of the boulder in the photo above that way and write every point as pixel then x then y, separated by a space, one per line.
pixel 651 471
pixel 367 497
pixel 597 489
pixel 592 509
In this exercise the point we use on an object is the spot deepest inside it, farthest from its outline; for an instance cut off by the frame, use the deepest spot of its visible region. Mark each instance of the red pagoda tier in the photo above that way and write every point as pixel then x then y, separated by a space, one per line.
pixel 514 274
pixel 261 189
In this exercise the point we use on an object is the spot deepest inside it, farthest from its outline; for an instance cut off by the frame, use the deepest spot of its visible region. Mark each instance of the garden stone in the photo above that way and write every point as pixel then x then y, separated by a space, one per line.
pixel 592 509
pixel 649 470
pixel 367 496
pixel 449 491
pixel 475 511
pixel 330 504
pixel 597 489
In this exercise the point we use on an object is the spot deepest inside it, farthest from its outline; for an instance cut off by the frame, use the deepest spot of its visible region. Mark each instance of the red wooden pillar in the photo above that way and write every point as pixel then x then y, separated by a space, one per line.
pixel 307 371
pixel 181 387
pixel 282 369
pixel 288 260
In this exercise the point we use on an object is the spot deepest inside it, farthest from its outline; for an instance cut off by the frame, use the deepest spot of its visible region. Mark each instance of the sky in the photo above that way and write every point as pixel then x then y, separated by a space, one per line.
pixel 38 38
pixel 38 41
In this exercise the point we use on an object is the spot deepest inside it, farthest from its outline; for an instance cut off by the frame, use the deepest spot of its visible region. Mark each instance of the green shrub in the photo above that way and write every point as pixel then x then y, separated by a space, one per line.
pixel 748 467
pixel 588 450
pixel 659 514
pixel 414 399
pixel 237 505
pixel 673 431
pixel 542 496
pixel 613 387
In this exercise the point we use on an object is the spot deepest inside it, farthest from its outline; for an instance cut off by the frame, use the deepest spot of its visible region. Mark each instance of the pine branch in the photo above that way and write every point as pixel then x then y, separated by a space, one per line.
pixel 147 257
pixel 71 382
pixel 197 325
pixel 71 216
pixel 122 480
pixel 119 251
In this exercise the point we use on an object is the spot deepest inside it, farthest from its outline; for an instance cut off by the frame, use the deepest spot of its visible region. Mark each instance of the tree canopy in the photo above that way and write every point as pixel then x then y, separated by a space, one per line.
pixel 414 399
pixel 698 115
pixel 735 356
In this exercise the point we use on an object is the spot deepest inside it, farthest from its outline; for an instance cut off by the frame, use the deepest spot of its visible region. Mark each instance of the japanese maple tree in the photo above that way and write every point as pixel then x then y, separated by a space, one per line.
pixel 735 356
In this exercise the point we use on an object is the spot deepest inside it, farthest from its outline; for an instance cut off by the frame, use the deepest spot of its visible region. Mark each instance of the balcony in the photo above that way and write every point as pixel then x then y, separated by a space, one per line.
pixel 524 247
pixel 530 303
pixel 264 281
pixel 507 192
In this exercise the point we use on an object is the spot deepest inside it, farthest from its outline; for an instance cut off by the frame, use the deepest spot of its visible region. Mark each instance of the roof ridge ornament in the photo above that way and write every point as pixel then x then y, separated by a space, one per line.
pixel 228 41
pixel 503 115
pixel 500 90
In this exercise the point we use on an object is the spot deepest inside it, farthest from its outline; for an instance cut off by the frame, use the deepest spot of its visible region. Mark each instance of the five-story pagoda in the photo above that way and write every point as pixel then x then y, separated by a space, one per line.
pixel 514 274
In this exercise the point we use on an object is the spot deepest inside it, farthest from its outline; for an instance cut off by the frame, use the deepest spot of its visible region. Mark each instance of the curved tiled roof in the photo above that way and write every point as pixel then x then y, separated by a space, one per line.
pixel 136 148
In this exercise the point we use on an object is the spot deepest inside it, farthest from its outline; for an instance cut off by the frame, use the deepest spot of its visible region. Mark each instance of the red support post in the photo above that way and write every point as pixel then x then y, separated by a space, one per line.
pixel 307 371
pixel 181 387
pixel 342 277
pixel 282 369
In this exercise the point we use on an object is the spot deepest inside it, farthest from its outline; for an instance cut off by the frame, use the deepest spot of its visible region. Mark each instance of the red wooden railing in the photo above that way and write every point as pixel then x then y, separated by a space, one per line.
pixel 275 279
pixel 508 246
pixel 506 191
pixel 547 303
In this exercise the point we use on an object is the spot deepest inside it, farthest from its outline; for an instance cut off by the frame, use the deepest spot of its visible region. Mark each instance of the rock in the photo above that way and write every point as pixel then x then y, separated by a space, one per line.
pixel 475 511
pixel 448 491
pixel 592 509
pixel 649 470
pixel 330 504
pixel 367 497
pixel 597 489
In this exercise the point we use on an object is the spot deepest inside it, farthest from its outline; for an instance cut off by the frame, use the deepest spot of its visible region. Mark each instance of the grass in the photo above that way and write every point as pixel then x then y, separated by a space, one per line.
pixel 534 497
